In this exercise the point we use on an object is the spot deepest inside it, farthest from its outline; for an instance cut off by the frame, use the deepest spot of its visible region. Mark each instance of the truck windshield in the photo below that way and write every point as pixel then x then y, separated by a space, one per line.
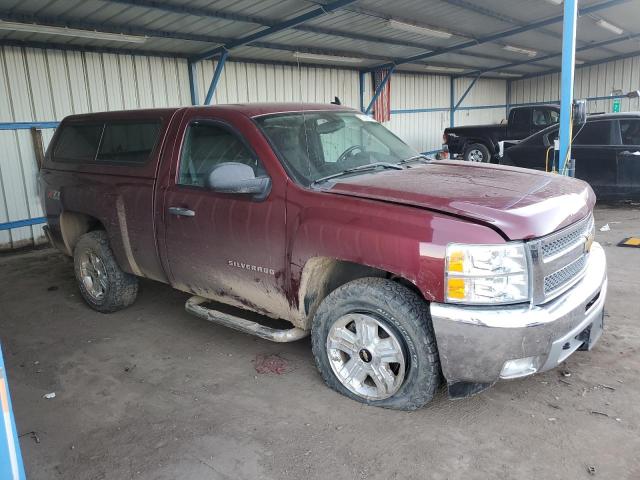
pixel 315 144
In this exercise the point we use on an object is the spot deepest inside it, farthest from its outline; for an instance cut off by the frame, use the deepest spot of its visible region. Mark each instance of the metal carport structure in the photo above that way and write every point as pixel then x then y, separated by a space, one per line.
pixel 452 46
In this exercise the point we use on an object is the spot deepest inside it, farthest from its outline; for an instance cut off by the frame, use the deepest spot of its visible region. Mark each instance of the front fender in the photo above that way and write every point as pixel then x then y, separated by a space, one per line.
pixel 404 241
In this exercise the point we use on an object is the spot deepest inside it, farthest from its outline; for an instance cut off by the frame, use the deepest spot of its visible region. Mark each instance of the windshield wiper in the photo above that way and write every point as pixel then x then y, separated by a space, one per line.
pixel 361 168
pixel 421 157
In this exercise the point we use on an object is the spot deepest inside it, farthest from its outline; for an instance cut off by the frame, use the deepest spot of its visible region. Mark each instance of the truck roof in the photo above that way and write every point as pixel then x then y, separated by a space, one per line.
pixel 247 109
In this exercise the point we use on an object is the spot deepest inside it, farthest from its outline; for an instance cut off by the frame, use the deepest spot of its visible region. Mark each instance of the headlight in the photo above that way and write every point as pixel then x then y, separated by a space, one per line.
pixel 486 274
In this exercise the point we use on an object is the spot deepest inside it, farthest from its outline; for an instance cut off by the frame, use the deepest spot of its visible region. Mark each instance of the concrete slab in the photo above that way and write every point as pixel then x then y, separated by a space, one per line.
pixel 153 393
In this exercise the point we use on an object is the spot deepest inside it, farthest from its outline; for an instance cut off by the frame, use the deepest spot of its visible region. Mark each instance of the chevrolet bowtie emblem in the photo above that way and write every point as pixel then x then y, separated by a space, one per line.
pixel 588 242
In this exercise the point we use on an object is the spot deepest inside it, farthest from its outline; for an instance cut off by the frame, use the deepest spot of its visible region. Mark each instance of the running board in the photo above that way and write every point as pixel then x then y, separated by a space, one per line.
pixel 194 306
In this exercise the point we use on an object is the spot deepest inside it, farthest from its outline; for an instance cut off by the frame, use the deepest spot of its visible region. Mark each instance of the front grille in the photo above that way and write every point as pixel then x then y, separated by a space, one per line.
pixel 562 277
pixel 567 238
pixel 559 259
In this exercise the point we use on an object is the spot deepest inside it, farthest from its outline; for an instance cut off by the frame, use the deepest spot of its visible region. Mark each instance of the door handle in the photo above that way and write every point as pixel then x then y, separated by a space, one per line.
pixel 181 212
pixel 627 152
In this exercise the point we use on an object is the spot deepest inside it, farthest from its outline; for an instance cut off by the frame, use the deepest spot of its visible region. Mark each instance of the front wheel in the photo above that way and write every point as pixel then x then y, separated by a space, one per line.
pixel 373 341
pixel 477 152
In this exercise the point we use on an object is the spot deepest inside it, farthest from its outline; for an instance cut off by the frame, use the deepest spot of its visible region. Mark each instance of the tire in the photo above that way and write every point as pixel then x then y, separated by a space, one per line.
pixel 103 285
pixel 404 317
pixel 477 152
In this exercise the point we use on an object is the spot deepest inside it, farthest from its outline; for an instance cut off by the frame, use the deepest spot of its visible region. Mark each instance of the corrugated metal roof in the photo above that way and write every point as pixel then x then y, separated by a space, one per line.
pixel 359 30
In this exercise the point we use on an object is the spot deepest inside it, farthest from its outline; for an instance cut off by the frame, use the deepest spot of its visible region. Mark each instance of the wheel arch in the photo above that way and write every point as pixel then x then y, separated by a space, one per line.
pixel 73 225
pixel 321 275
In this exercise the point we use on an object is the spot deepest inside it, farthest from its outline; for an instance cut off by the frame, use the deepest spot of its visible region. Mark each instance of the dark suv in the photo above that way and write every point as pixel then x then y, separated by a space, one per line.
pixel 606 149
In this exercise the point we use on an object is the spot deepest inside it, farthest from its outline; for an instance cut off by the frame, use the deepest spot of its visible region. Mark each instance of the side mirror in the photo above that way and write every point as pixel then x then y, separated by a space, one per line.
pixel 238 178
pixel 579 112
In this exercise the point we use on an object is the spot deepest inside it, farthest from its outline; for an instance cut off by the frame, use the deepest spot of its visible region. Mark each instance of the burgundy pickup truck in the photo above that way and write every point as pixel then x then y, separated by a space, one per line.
pixel 401 269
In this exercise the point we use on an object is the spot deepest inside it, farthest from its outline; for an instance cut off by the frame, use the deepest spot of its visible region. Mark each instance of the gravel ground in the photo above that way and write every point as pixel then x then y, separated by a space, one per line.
pixel 154 393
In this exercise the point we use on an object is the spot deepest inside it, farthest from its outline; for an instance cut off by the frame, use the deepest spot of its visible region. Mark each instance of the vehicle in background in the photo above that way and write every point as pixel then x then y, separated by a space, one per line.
pixel 479 143
pixel 400 269
pixel 606 150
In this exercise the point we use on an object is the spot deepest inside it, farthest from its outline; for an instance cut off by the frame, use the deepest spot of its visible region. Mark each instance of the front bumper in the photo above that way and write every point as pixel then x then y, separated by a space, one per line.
pixel 475 342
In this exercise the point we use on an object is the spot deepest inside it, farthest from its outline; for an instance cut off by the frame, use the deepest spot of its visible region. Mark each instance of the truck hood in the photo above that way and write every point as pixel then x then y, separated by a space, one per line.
pixel 520 203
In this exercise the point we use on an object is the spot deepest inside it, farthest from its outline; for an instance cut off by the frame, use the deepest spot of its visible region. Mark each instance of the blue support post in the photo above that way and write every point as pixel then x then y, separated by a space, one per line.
pixel 379 90
pixel 216 77
pixel 566 80
pixel 361 76
pixel 508 100
pixel 11 466
pixel 452 100
pixel 193 88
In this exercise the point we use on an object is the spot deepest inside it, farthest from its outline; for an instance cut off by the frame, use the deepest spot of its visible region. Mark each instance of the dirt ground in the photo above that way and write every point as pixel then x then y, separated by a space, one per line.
pixel 154 393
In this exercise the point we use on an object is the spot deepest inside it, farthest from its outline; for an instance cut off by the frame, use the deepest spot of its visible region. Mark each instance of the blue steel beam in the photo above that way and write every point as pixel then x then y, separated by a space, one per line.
pixel 193 86
pixel 566 80
pixel 107 27
pixel 22 223
pixel 379 90
pixel 203 38
pixel 475 7
pixel 466 92
pixel 265 22
pixel 114 28
pixel 147 53
pixel 361 79
pixel 452 101
pixel 497 36
pixel 583 65
pixel 216 77
pixel 591 46
pixel 27 125
pixel 508 99
pixel 81 48
pixel 292 22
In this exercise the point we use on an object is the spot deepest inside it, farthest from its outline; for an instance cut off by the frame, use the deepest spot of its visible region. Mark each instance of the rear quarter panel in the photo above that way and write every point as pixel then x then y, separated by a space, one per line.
pixel 120 197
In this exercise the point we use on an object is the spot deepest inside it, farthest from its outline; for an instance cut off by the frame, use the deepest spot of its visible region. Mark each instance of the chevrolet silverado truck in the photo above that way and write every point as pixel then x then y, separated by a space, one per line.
pixel 480 143
pixel 402 270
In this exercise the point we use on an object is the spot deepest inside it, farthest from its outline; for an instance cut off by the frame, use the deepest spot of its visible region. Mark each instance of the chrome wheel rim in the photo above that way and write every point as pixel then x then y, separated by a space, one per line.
pixel 93 275
pixel 476 155
pixel 366 356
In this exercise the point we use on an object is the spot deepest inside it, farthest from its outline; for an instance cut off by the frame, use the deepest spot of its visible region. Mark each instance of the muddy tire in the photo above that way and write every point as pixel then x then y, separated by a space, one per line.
pixel 477 152
pixel 103 285
pixel 373 341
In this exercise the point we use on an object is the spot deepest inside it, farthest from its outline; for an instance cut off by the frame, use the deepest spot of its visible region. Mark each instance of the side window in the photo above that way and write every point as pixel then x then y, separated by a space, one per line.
pixel 544 117
pixel 128 143
pixel 207 145
pixel 539 119
pixel 520 118
pixel 594 133
pixel 78 143
pixel 630 131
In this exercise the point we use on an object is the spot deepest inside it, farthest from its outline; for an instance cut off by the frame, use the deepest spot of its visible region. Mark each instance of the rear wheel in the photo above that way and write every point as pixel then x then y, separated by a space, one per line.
pixel 477 152
pixel 373 342
pixel 103 285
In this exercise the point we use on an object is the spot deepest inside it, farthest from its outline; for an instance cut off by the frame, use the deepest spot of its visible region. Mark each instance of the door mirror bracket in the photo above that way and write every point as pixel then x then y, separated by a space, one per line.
pixel 238 178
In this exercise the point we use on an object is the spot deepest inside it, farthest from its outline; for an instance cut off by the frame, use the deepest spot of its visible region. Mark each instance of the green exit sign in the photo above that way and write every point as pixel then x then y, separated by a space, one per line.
pixel 616 105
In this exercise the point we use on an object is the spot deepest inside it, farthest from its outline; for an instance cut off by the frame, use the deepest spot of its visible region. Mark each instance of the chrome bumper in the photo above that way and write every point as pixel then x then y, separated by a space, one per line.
pixel 475 342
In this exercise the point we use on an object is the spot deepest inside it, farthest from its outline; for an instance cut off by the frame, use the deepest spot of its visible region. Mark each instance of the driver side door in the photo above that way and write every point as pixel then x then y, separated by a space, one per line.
pixel 226 247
